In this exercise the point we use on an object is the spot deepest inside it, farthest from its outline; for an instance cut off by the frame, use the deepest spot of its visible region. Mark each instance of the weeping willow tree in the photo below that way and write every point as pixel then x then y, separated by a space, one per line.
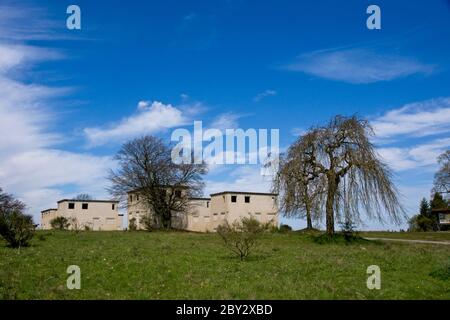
pixel 344 170
pixel 299 184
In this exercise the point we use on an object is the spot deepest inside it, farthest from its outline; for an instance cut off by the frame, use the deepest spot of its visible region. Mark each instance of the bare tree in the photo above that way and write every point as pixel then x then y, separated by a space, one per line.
pixel 146 166
pixel 442 176
pixel 354 177
pixel 9 204
pixel 298 182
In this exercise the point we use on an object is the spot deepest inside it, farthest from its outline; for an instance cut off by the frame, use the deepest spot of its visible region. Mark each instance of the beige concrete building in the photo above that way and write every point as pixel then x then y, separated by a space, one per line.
pixel 93 214
pixel 206 214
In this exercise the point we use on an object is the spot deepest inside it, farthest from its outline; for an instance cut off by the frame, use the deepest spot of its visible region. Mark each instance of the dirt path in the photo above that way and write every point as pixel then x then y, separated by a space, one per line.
pixel 411 241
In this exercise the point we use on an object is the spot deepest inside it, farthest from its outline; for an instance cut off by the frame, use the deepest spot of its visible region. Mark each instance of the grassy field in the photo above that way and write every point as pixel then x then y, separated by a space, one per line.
pixel 161 265
pixel 431 236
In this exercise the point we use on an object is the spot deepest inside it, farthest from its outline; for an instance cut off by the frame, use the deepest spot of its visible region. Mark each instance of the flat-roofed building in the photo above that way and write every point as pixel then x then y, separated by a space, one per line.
pixel 206 214
pixel 92 214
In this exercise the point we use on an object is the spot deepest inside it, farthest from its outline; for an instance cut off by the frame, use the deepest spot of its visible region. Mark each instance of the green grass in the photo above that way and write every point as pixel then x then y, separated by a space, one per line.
pixel 159 265
pixel 431 236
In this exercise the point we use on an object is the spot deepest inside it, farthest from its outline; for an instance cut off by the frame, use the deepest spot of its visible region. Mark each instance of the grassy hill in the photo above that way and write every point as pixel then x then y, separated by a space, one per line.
pixel 179 265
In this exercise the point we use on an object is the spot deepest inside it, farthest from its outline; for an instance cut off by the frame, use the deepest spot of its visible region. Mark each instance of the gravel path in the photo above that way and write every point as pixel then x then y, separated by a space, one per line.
pixel 411 241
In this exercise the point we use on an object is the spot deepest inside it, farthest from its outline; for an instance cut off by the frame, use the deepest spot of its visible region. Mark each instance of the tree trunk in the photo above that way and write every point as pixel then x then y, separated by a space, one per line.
pixel 331 194
pixel 309 225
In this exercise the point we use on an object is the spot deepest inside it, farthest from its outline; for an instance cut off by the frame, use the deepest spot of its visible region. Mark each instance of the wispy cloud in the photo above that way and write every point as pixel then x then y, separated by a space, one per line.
pixel 150 117
pixel 32 166
pixel 228 120
pixel 397 132
pixel 413 157
pixel 20 23
pixel 357 65
pixel 418 119
pixel 264 94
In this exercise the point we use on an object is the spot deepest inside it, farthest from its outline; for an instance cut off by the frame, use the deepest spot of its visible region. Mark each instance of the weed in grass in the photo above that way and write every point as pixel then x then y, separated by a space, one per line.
pixel 442 273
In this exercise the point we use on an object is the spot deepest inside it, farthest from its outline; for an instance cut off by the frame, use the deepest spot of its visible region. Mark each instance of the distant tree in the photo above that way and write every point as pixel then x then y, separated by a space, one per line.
pixel 442 176
pixel 9 204
pixel 60 223
pixel 424 208
pixel 298 181
pixel 84 196
pixel 16 227
pixel 438 202
pixel 145 165
pixel 425 220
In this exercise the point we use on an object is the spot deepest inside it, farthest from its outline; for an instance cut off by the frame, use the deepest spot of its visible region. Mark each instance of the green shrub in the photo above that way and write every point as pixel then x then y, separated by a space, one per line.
pixel 442 273
pixel 240 237
pixel 60 223
pixel 348 231
pixel 338 238
pixel 421 223
pixel 132 224
pixel 16 228
pixel 285 228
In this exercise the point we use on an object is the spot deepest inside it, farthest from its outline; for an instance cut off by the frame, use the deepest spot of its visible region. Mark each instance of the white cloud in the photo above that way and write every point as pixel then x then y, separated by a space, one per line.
pixel 264 94
pixel 228 120
pixel 150 118
pixel 241 178
pixel 422 155
pixel 31 165
pixel 357 65
pixel 416 119
pixel 22 23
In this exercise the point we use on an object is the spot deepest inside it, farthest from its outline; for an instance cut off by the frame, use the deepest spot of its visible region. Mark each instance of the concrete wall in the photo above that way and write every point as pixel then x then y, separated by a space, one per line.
pixel 206 214
pixel 46 217
pixel 99 215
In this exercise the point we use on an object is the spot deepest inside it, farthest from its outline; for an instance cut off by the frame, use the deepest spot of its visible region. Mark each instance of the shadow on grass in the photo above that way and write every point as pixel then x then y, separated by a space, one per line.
pixel 341 239
pixel 253 257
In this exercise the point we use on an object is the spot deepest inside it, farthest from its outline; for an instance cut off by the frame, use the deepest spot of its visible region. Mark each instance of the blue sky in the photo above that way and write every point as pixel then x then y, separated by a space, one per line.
pixel 69 98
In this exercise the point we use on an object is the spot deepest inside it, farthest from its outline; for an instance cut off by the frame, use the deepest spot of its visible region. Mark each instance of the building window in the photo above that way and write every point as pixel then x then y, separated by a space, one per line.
pixel 222 213
pixel 84 206
pixel 71 205
pixel 131 198
pixel 207 204
pixel 233 198
pixel 247 199
pixel 137 197
pixel 113 206
pixel 178 193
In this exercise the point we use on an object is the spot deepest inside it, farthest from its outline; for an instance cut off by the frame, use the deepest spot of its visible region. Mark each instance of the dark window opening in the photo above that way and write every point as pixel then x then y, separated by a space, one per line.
pixel 233 198
pixel 207 204
pixel 71 205
pixel 84 206
pixel 131 198
pixel 178 193
pixel 247 199
pixel 113 206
